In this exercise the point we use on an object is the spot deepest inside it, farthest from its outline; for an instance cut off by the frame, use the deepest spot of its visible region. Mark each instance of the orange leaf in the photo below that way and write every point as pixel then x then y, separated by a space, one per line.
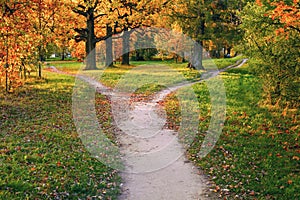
pixel 296 158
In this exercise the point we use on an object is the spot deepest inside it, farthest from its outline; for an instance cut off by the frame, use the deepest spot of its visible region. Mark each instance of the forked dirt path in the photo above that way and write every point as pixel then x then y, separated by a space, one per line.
pixel 155 165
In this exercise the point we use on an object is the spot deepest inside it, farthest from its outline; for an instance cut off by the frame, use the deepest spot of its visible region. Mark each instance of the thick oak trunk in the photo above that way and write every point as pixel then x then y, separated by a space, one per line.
pixel 90 42
pixel 196 62
pixel 197 58
pixel 126 47
pixel 109 47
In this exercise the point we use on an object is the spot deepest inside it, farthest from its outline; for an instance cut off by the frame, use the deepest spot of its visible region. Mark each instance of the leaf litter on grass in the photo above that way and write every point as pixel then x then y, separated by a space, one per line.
pixel 41 155
pixel 257 154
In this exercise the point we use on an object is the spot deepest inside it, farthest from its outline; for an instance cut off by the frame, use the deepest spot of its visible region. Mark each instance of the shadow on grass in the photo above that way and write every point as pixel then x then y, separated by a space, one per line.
pixel 41 154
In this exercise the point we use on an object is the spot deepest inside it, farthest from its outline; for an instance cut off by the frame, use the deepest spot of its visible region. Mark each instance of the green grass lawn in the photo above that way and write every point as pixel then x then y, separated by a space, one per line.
pixel 111 75
pixel 67 66
pixel 41 154
pixel 257 155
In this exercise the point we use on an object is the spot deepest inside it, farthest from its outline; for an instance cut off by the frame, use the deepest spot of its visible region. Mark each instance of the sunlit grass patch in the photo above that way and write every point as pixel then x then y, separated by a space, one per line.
pixel 110 76
pixel 257 155
pixel 225 62
pixel 41 154
pixel 67 66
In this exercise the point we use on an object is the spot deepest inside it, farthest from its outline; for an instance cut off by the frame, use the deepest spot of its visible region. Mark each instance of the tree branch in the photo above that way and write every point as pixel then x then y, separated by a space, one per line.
pixel 80 12
pixel 82 34
pixel 79 38
pixel 100 15
pixel 96 4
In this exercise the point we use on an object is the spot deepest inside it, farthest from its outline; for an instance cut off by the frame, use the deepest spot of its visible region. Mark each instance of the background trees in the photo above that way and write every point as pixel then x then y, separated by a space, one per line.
pixel 16 47
pixel 213 21
pixel 27 28
pixel 267 31
pixel 46 20
pixel 193 17
pixel 115 17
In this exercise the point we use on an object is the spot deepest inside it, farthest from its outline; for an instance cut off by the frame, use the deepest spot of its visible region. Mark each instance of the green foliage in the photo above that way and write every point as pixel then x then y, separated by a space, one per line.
pixel 275 56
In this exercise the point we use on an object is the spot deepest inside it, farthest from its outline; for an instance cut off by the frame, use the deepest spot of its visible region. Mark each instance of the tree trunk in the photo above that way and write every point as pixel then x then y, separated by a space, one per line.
pixel 63 54
pixel 183 57
pixel 41 58
pixel 228 50
pixel 109 47
pixel 197 58
pixel 90 42
pixel 6 80
pixel 126 47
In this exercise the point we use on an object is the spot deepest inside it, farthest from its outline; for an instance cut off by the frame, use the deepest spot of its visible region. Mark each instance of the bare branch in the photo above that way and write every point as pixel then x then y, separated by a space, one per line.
pixel 82 7
pixel 80 12
pixel 100 15
pixel 79 38
pixel 96 4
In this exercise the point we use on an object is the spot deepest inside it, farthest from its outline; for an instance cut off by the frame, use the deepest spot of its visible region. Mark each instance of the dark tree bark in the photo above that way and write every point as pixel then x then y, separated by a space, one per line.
pixel 63 54
pixel 88 34
pixel 196 61
pixel 228 52
pixel 41 59
pixel 91 41
pixel 109 47
pixel 197 58
pixel 126 47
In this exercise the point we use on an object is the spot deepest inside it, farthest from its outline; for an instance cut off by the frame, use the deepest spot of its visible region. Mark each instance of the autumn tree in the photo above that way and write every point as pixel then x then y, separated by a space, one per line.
pixel 43 14
pixel 135 14
pixel 92 11
pixel 193 17
pixel 210 20
pixel 272 40
pixel 15 46
pixel 27 27
pixel 224 25
pixel 64 23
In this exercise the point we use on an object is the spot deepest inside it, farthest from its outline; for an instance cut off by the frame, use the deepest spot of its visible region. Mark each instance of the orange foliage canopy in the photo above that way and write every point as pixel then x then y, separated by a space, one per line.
pixel 26 27
pixel 288 15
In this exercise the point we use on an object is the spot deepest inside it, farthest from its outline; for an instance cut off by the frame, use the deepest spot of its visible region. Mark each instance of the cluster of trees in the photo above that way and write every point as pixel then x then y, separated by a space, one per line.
pixel 104 19
pixel 26 28
pixel 267 30
pixel 272 39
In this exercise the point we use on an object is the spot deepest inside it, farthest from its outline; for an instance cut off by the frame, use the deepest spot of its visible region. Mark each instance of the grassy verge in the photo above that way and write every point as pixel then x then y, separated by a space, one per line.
pixel 111 75
pixel 41 154
pixel 225 62
pixel 145 82
pixel 257 155
pixel 67 66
